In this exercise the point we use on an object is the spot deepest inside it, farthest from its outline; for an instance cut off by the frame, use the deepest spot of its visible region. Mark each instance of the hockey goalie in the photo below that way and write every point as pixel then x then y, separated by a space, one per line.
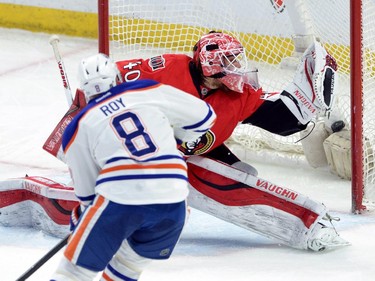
pixel 220 183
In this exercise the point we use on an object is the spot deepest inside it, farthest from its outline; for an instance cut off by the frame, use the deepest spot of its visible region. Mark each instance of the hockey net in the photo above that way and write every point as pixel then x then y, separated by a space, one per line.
pixel 275 34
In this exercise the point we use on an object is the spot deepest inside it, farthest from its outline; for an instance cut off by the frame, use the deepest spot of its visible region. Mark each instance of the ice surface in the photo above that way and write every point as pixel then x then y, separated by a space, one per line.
pixel 32 101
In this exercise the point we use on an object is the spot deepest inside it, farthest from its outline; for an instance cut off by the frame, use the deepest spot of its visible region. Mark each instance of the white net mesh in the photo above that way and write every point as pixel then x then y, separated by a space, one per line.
pixel 274 35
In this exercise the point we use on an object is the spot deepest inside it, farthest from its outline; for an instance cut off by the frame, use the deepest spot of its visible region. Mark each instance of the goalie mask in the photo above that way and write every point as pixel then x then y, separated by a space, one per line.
pixel 223 57
pixel 97 74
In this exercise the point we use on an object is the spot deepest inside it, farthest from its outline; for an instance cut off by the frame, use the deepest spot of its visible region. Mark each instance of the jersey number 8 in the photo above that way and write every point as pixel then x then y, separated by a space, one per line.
pixel 130 128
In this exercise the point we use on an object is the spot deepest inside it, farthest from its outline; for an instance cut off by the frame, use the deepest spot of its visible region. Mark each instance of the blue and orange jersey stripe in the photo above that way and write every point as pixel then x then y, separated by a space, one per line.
pixel 71 130
pixel 78 235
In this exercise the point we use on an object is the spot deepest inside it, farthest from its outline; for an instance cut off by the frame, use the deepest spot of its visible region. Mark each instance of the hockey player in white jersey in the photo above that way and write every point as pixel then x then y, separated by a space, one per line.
pixel 128 173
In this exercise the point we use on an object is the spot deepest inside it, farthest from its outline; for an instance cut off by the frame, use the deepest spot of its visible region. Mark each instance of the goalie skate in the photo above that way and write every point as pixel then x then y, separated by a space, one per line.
pixel 324 237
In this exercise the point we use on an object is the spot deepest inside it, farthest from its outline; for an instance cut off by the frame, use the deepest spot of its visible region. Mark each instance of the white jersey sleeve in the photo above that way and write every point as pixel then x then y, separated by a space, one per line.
pixel 122 145
pixel 190 117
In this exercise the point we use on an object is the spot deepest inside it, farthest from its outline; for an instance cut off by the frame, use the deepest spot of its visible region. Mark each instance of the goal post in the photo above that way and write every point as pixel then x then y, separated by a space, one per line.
pixel 103 26
pixel 275 37
pixel 356 94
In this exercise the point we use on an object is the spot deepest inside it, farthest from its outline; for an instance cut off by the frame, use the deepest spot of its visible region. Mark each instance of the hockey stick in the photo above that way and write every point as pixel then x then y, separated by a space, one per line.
pixel 44 259
pixel 68 92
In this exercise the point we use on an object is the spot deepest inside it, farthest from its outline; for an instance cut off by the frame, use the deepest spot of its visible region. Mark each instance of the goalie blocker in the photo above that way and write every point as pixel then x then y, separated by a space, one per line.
pixel 53 143
pixel 259 205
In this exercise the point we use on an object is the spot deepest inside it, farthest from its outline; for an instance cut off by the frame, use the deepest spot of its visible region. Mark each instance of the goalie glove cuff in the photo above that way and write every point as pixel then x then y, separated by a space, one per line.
pixel 299 104
pixel 325 80
pixel 313 86
pixel 325 85
pixel 319 68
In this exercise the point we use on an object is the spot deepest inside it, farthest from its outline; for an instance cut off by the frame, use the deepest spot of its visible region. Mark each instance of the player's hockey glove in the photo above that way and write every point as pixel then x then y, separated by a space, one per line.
pixel 74 217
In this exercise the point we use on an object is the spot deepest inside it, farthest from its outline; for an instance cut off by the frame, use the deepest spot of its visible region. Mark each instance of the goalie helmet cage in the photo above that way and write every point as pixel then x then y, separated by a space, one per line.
pixel 275 38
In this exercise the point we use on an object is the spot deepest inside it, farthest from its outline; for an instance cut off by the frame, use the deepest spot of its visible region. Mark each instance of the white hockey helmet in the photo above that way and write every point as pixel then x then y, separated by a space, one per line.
pixel 97 74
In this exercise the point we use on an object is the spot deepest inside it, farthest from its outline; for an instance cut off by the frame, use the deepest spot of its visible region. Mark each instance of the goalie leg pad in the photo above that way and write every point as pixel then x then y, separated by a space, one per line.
pixel 252 203
pixel 251 208
pixel 247 168
pixel 337 148
pixel 312 139
pixel 37 202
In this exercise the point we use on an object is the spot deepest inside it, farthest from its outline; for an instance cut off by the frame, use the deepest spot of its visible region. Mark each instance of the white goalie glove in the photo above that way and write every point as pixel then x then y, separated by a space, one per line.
pixel 314 84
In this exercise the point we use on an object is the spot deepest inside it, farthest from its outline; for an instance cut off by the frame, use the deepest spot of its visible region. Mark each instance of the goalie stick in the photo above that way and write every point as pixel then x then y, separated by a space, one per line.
pixel 44 259
pixel 54 39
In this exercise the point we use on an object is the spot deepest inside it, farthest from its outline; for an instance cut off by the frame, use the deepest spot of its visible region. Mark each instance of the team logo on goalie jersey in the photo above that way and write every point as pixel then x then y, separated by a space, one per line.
pixel 200 146
pixel 157 62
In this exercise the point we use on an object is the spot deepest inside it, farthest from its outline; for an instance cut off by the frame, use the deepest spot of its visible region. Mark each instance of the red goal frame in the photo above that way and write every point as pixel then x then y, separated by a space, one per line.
pixel 355 84
pixel 356 94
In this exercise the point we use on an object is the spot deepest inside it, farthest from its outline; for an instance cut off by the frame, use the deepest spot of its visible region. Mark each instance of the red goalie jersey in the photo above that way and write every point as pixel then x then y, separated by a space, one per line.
pixel 178 70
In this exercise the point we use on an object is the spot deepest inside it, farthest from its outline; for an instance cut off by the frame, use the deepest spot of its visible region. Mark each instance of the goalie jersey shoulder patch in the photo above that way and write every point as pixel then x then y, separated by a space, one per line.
pixel 200 146
pixel 157 62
